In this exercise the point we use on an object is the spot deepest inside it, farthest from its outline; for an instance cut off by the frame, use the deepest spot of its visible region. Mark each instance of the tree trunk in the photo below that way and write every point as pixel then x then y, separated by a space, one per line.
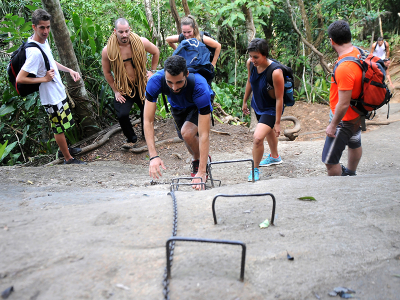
pixel 306 24
pixel 84 112
pixel 185 7
pixel 250 29
pixel 268 28
pixel 150 20
pixel 250 32
pixel 380 24
pixel 309 44
pixel 175 15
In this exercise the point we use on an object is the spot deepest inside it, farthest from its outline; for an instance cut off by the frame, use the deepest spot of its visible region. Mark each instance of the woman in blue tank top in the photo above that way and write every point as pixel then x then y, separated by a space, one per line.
pixel 267 102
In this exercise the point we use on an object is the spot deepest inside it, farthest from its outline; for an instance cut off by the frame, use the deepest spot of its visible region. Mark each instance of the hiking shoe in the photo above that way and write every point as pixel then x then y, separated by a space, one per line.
pixel 269 161
pixel 195 167
pixel 257 173
pixel 347 172
pixel 74 161
pixel 72 150
pixel 130 143
pixel 128 146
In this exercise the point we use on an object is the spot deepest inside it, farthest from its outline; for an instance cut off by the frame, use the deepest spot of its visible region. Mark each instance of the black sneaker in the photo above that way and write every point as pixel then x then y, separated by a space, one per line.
pixel 74 161
pixel 347 172
pixel 72 150
pixel 195 167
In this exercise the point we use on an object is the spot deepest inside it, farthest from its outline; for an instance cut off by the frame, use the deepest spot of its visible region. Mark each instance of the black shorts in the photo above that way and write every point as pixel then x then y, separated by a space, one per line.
pixel 348 133
pixel 266 119
pixel 190 114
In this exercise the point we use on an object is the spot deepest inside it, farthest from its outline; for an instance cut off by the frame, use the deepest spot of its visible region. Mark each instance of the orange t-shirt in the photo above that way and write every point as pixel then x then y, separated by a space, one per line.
pixel 348 77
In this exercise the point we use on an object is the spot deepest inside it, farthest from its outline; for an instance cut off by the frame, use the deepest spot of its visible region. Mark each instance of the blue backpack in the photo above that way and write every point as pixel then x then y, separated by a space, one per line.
pixel 197 58
pixel 202 34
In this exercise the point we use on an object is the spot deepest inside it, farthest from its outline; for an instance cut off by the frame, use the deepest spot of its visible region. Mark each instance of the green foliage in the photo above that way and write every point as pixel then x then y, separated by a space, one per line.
pixel 5 151
pixel 230 100
pixel 19 29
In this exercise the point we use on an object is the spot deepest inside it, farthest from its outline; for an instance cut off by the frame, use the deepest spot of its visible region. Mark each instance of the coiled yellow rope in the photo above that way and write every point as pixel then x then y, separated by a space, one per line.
pixel 121 80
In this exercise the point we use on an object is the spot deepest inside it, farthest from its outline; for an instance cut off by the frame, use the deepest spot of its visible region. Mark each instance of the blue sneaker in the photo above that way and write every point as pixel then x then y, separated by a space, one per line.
pixel 256 175
pixel 269 161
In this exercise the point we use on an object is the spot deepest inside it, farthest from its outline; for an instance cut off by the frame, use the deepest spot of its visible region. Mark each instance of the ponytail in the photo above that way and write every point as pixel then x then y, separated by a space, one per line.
pixel 190 20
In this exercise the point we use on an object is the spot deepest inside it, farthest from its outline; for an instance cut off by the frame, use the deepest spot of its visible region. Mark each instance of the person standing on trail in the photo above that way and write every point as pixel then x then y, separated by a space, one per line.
pixel 125 56
pixel 380 48
pixel 387 65
pixel 265 79
pixel 51 89
pixel 191 116
pixel 345 126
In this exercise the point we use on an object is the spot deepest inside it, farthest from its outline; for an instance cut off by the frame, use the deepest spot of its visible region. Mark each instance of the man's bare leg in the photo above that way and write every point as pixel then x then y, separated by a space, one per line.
pixel 354 158
pixel 334 170
pixel 189 134
pixel 62 143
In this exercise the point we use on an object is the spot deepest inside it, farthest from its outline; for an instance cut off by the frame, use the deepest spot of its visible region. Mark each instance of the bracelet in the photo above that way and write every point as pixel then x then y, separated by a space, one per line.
pixel 153 157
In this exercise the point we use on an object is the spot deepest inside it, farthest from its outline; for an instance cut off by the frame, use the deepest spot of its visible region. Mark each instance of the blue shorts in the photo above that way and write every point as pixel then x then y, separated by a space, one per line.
pixel 348 133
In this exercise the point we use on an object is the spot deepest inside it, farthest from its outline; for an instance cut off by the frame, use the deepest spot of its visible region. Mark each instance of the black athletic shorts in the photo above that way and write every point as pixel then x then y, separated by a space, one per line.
pixel 348 133
pixel 190 114
pixel 266 119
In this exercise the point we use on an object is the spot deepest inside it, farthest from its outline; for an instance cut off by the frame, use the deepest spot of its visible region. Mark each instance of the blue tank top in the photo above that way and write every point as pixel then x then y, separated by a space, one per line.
pixel 261 102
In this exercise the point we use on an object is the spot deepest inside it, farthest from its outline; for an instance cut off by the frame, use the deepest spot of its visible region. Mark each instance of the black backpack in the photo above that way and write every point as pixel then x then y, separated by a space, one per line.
pixel 202 33
pixel 288 99
pixel 18 58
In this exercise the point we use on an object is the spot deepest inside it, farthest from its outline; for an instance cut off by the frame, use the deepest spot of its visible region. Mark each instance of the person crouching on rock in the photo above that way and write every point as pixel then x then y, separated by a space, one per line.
pixel 191 116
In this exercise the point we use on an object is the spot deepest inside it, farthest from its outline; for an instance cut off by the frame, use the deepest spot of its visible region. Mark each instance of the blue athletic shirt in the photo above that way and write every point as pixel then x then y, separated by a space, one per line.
pixel 261 101
pixel 201 92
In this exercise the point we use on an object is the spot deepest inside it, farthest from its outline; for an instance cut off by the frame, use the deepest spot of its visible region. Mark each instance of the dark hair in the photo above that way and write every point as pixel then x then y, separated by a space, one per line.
pixel 175 65
pixel 339 32
pixel 121 21
pixel 40 15
pixel 259 45
pixel 380 39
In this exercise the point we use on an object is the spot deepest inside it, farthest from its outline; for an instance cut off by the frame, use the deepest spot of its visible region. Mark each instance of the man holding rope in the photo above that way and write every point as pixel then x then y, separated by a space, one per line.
pixel 125 56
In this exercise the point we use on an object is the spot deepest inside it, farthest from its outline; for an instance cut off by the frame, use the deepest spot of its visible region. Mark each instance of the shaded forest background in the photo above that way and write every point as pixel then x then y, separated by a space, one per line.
pixel 295 30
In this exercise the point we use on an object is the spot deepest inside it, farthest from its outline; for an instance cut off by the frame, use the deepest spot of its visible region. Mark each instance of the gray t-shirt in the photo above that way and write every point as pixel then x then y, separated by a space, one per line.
pixel 50 92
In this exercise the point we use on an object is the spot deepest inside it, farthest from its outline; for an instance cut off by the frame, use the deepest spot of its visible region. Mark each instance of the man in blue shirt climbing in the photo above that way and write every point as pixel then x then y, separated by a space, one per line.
pixel 190 98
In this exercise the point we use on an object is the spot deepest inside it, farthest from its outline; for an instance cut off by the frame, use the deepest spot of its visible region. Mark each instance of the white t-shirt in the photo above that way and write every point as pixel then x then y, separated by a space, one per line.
pixel 380 51
pixel 51 92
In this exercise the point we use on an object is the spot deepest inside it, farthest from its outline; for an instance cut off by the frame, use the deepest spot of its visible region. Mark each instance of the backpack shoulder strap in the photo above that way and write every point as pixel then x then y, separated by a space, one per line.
pixel 164 91
pixel 45 58
pixel 347 58
pixel 191 81
pixel 181 37
pixel 271 68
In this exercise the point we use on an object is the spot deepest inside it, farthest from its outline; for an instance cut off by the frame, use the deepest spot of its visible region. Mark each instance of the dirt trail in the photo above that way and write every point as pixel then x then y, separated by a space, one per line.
pixel 99 231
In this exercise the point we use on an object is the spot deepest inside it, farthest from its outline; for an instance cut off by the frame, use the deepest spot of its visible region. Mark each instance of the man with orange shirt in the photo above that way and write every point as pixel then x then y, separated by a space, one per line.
pixel 345 127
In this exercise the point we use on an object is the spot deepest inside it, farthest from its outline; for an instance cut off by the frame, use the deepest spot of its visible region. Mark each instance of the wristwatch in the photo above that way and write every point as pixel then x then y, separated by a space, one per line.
pixel 153 71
